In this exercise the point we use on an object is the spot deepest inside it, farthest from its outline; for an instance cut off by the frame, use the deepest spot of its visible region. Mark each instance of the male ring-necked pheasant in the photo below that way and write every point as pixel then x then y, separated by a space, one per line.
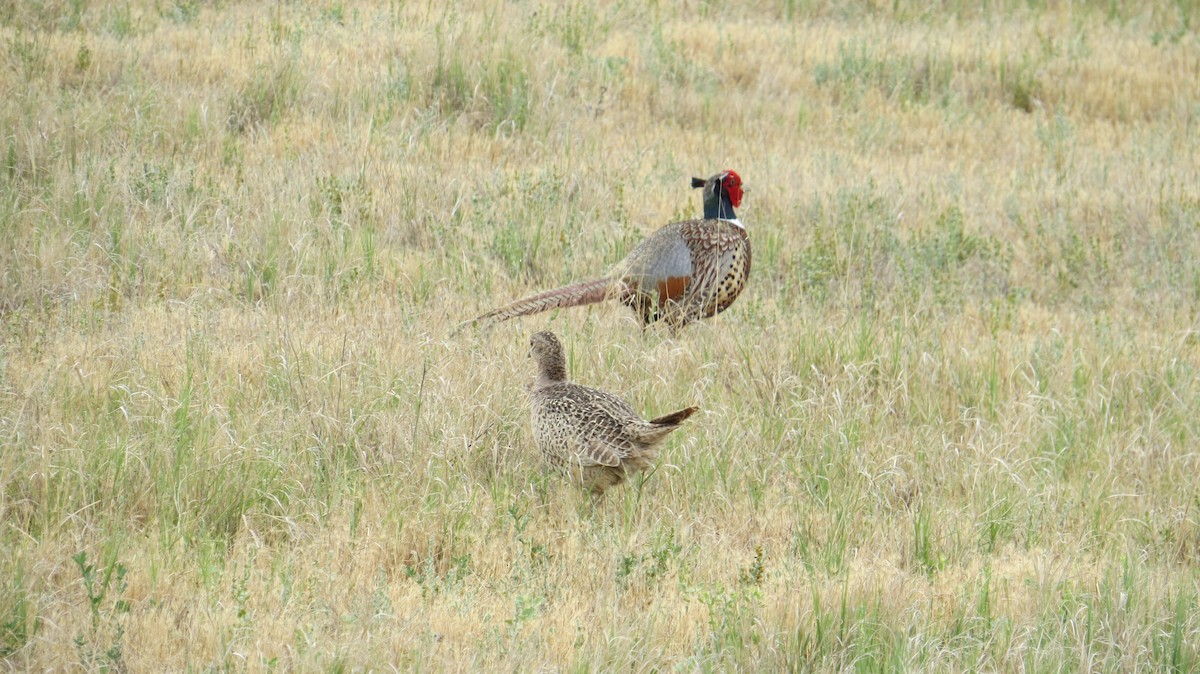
pixel 594 437
pixel 683 272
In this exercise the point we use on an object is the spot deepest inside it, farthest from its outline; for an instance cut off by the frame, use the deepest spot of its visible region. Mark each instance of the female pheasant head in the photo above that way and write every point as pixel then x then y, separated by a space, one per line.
pixel 545 348
pixel 722 193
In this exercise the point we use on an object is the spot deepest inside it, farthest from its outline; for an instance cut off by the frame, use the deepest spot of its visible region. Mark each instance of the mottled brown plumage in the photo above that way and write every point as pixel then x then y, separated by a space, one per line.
pixel 594 437
pixel 681 273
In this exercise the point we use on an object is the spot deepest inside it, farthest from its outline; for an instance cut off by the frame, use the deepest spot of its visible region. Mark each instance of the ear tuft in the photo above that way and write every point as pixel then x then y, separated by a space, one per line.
pixel 697 182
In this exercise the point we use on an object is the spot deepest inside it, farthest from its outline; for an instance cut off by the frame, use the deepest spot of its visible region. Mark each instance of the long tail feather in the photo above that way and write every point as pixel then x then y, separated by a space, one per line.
pixel 661 427
pixel 576 294
pixel 675 418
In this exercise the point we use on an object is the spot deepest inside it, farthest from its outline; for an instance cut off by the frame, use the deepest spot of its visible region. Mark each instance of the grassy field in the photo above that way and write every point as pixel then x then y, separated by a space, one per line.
pixel 952 425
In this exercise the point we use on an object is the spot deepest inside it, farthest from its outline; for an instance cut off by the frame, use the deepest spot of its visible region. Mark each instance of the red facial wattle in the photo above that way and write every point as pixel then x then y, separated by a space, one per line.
pixel 733 188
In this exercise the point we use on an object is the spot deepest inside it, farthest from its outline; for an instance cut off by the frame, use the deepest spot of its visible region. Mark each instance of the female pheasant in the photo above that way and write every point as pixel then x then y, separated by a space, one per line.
pixel 594 437
pixel 683 272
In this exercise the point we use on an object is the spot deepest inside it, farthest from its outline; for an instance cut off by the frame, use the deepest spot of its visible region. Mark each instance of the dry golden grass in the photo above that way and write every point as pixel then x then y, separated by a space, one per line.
pixel 952 424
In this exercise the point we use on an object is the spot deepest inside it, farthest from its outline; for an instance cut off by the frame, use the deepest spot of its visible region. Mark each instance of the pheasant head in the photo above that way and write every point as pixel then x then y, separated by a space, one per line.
pixel 722 193
pixel 545 348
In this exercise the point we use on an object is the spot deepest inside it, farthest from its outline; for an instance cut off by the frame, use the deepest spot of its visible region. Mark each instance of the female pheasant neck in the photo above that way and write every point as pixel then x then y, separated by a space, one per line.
pixel 552 368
